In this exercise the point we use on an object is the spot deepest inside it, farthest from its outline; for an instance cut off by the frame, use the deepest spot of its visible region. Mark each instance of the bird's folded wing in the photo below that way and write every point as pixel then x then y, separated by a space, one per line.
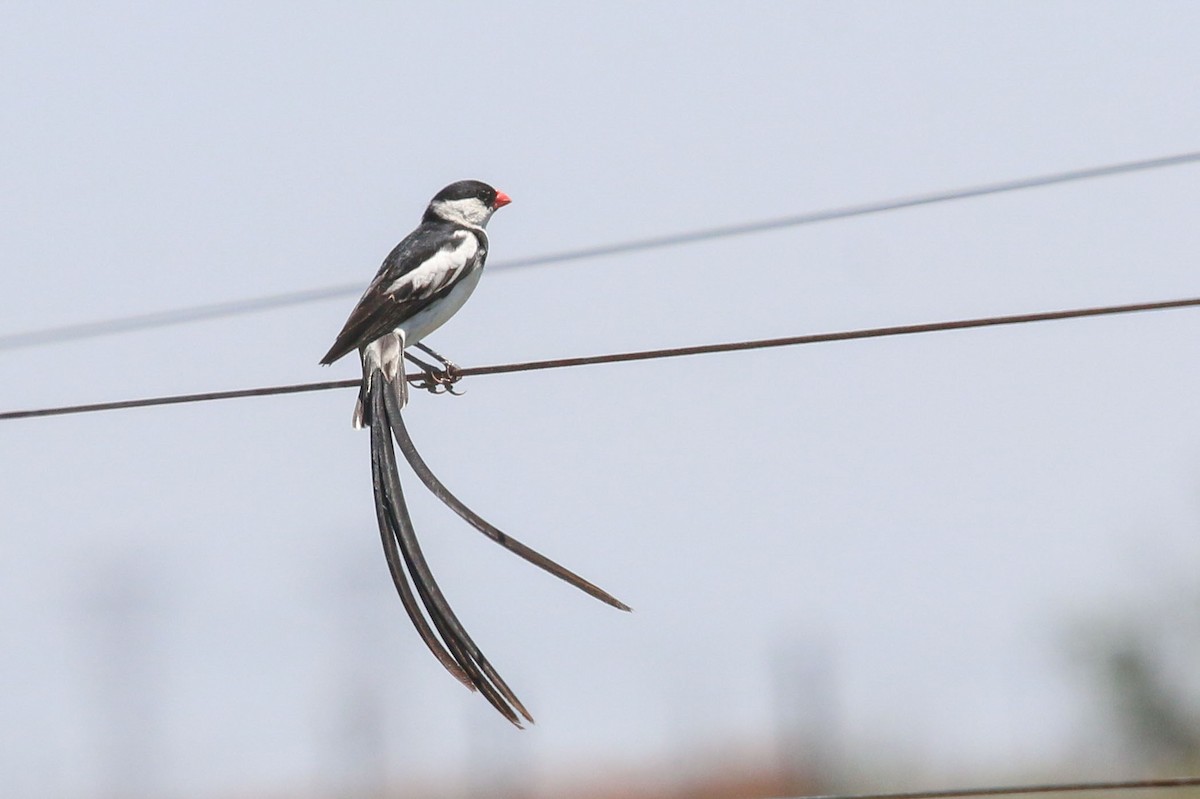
pixel 422 269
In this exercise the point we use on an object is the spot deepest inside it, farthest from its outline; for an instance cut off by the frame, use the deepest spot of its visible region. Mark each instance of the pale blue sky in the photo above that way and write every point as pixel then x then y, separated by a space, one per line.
pixel 931 515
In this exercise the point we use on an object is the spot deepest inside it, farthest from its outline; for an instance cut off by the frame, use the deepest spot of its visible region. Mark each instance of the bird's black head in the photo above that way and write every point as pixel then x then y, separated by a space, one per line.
pixel 466 189
pixel 469 202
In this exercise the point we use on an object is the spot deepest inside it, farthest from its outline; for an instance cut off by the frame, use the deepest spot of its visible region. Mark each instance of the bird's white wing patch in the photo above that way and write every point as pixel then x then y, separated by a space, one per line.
pixel 443 268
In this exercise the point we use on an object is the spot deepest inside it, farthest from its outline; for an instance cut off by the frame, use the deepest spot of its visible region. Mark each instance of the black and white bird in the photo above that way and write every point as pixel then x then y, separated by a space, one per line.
pixel 421 284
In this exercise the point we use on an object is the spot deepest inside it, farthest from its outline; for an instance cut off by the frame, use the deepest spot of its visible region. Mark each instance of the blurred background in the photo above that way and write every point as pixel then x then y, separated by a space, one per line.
pixel 955 558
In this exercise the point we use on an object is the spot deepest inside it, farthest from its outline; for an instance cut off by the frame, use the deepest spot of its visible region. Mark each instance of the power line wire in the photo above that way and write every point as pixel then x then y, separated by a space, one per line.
pixel 817 338
pixel 177 316
pixel 221 310
pixel 180 399
pixel 1013 790
pixel 622 357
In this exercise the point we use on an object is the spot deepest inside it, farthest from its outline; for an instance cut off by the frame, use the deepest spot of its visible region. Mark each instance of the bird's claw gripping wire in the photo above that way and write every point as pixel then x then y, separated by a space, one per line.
pixel 438 381
pixel 434 379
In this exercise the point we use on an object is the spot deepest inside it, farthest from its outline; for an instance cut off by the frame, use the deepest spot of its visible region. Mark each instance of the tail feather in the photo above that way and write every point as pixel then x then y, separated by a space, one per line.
pixel 389 532
pixel 439 490
pixel 455 649
pixel 384 355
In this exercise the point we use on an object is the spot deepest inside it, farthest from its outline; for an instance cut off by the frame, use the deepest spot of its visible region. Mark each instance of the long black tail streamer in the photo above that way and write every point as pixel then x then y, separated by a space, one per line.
pixel 451 644
pixel 439 490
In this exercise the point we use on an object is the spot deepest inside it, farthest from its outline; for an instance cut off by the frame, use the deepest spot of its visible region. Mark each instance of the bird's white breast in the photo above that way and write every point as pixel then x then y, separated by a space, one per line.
pixel 429 319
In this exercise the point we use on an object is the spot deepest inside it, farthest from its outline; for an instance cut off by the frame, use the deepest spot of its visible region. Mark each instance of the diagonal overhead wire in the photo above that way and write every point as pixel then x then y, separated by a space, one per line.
pixel 176 316
pixel 221 310
pixel 623 357
pixel 1016 790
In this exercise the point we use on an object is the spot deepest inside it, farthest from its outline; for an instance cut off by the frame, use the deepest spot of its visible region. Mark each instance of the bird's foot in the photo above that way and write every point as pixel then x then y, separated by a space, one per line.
pixel 436 379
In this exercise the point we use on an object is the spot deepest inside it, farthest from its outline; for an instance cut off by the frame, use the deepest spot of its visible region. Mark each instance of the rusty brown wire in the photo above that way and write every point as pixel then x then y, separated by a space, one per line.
pixel 624 357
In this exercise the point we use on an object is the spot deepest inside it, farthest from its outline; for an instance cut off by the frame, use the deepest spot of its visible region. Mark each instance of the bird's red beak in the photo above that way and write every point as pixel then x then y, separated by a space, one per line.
pixel 502 200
